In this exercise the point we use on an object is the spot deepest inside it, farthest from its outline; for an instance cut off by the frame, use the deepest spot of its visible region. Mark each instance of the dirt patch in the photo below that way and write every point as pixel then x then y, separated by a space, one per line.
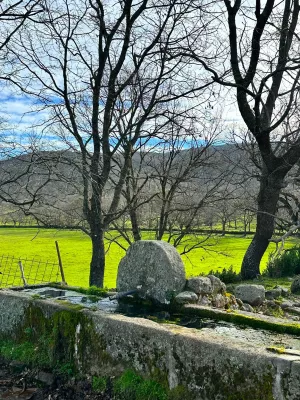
pixel 20 383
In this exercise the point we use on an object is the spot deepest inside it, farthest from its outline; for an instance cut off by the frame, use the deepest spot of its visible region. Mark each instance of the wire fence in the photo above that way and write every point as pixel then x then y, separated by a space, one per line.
pixel 16 271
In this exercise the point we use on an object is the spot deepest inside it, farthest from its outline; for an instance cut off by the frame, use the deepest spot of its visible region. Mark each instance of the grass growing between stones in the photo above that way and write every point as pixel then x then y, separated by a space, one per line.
pixel 75 247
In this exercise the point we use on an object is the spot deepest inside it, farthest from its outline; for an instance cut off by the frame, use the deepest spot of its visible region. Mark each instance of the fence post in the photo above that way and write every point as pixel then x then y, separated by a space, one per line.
pixel 60 264
pixel 22 273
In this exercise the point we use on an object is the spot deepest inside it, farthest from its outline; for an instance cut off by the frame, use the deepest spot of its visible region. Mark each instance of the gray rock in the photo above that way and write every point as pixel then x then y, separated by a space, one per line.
pixel 247 307
pixel 200 285
pixel 295 288
pixel 153 266
pixel 231 302
pixel 217 285
pixel 219 301
pixel 284 291
pixel 286 304
pixel 204 301
pixel 270 303
pixel 293 310
pixel 273 293
pixel 186 298
pixel 251 294
pixel 239 302
pixel 45 377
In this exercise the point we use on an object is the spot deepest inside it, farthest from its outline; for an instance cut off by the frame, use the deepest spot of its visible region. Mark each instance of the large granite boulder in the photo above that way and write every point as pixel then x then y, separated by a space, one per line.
pixel 251 294
pixel 153 266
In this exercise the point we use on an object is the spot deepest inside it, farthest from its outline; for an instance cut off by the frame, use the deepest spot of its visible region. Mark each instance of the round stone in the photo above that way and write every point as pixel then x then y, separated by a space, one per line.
pixel 154 268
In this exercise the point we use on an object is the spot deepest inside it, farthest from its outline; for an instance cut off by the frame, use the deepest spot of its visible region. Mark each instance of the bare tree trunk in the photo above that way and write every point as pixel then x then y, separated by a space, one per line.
pixel 223 227
pixel 97 265
pixel 163 218
pixel 269 191
pixel 95 220
pixel 134 223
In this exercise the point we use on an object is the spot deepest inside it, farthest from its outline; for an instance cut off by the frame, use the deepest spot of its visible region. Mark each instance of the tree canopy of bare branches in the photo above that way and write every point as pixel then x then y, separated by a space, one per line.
pixel 102 73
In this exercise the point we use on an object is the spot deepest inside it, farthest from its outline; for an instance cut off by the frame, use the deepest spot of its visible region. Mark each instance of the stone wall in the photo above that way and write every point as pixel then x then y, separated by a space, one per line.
pixel 209 366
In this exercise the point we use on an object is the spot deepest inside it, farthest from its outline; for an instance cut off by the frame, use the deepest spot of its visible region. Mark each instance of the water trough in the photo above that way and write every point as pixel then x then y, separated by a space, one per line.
pixel 218 361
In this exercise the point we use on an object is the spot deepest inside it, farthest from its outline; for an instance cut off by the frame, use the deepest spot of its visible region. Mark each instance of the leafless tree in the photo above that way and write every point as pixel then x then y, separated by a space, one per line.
pixel 166 179
pixel 263 67
pixel 92 65
pixel 15 176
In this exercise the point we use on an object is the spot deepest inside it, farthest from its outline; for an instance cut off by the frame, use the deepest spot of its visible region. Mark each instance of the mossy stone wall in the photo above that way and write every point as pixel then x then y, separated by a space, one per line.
pixel 93 342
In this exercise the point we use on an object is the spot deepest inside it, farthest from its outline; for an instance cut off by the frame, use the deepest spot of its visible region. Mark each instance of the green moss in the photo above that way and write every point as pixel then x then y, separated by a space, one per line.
pixel 71 306
pixel 32 354
pixel 99 383
pixel 66 370
pixel 278 350
pixel 131 386
pixel 36 296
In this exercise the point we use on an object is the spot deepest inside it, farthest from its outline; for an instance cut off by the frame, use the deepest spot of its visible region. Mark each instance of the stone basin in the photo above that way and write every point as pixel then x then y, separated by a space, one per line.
pixel 239 333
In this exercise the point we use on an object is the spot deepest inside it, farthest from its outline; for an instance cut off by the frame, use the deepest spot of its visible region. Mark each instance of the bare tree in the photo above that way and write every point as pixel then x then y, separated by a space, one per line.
pixel 15 176
pixel 264 70
pixel 93 66
pixel 166 177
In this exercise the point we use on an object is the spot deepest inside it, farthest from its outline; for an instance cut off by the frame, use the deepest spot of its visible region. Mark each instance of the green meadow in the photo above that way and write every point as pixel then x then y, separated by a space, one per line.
pixel 75 247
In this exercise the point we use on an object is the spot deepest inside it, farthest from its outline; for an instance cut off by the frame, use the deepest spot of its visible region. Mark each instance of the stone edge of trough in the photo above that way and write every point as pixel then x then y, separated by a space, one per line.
pixel 254 320
pixel 209 367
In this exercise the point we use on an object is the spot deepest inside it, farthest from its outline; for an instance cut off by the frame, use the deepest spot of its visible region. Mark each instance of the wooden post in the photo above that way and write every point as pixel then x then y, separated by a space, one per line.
pixel 22 273
pixel 60 264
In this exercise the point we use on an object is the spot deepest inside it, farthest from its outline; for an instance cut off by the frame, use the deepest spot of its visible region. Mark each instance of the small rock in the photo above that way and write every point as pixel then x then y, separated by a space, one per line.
pixel 247 307
pixel 239 302
pixel 251 294
pixel 293 310
pixel 270 303
pixel 231 302
pixel 217 285
pixel 200 285
pixel 294 318
pixel 295 288
pixel 204 301
pixel 45 377
pixel 286 304
pixel 219 301
pixel 273 293
pixel 186 298
pixel 284 291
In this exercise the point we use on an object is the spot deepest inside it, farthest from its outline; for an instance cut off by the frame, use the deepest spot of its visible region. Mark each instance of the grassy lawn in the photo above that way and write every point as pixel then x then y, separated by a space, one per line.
pixel 75 250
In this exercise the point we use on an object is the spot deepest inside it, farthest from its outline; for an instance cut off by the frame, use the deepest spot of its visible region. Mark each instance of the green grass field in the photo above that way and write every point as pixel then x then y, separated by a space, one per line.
pixel 75 250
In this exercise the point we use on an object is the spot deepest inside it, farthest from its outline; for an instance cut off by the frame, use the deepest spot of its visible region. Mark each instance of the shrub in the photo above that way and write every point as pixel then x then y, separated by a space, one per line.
pixel 227 275
pixel 287 264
